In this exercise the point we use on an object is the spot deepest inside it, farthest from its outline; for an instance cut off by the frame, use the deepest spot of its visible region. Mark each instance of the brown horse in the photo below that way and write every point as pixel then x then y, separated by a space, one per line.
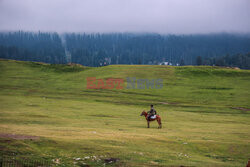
pixel 158 118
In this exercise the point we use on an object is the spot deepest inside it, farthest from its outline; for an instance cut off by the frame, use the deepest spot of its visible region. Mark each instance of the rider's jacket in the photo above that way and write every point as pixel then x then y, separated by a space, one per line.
pixel 152 111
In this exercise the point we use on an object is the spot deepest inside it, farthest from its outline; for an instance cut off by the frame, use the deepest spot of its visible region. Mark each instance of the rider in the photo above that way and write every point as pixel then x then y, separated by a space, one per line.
pixel 152 112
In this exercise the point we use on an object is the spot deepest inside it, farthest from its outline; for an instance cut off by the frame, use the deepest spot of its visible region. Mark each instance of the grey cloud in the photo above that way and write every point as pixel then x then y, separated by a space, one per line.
pixel 161 16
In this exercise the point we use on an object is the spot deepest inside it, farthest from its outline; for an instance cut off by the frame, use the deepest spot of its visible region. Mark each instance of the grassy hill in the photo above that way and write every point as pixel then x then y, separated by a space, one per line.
pixel 205 113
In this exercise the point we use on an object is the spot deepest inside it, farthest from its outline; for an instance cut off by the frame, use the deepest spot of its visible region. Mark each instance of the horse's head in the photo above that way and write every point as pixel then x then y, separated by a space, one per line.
pixel 143 113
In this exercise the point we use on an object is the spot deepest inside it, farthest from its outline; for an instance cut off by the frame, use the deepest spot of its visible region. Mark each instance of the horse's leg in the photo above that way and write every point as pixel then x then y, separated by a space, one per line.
pixel 159 122
pixel 148 124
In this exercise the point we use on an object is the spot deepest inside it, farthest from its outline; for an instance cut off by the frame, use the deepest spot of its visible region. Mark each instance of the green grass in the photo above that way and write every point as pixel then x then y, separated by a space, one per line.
pixel 203 109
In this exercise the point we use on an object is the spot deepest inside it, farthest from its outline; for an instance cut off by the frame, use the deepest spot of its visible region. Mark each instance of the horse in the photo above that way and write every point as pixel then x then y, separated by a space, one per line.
pixel 158 118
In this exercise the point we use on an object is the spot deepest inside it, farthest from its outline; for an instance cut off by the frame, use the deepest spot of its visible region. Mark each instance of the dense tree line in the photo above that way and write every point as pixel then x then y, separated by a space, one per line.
pixel 92 49
pixel 238 60
pixel 125 48
pixel 42 47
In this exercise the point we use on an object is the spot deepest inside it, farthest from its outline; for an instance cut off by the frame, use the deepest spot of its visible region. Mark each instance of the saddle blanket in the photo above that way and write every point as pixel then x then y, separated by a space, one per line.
pixel 153 117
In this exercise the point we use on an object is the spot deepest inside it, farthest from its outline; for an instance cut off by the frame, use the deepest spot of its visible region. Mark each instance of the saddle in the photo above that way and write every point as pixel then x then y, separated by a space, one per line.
pixel 153 117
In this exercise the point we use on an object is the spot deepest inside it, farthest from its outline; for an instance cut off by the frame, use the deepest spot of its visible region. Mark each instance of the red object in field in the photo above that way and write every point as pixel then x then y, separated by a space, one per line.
pixel 248 164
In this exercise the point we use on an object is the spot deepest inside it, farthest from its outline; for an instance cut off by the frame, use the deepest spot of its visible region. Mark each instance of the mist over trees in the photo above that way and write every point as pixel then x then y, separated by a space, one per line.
pixel 126 48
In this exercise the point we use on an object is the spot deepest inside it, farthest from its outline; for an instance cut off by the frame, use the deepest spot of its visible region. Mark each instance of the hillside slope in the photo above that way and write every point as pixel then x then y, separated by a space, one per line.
pixel 205 114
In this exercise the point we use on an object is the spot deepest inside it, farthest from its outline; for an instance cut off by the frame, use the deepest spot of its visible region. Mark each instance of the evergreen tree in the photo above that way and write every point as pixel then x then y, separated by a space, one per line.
pixel 182 63
pixel 198 61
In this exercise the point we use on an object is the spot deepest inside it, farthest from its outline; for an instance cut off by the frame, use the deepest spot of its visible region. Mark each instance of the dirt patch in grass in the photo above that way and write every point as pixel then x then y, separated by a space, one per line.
pixel 171 103
pixel 102 115
pixel 241 108
pixel 18 137
pixel 215 88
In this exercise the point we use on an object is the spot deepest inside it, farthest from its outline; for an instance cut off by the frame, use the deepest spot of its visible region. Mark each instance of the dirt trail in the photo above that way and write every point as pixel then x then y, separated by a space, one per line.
pixel 18 137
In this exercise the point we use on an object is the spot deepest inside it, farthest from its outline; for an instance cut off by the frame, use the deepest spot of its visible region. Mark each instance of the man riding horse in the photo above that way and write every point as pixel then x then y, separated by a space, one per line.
pixel 151 116
pixel 151 112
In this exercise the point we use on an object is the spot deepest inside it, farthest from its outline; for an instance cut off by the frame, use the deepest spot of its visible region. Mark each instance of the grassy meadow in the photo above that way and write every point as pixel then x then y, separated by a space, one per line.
pixel 205 114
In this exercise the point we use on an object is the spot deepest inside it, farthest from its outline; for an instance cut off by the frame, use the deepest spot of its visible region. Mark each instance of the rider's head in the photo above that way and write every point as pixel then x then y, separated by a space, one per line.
pixel 151 105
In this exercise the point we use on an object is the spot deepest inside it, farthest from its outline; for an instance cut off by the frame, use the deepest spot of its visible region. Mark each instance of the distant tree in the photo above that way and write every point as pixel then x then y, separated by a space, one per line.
pixel 220 61
pixel 182 63
pixel 199 60
pixel 227 60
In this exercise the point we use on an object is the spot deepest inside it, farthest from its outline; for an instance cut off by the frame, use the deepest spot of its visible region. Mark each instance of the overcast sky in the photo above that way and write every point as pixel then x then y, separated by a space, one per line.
pixel 160 16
